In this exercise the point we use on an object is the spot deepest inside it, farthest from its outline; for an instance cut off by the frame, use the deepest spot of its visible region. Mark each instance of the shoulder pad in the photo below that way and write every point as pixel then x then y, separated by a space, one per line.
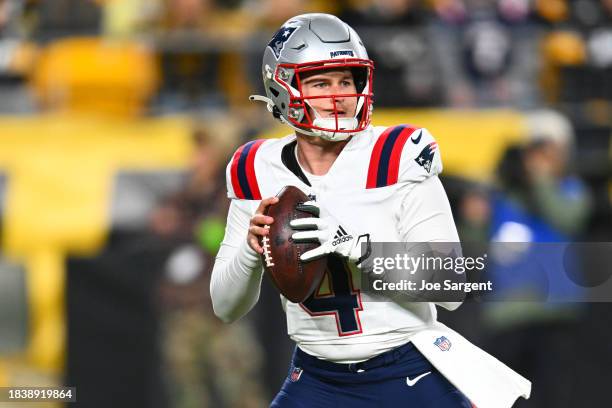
pixel 240 172
pixel 395 159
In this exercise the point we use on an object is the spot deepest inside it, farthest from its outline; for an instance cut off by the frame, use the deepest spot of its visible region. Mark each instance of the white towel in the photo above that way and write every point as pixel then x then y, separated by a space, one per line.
pixel 484 380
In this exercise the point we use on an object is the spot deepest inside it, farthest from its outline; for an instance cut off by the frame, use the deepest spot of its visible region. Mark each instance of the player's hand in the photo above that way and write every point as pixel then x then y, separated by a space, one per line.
pixel 332 236
pixel 258 222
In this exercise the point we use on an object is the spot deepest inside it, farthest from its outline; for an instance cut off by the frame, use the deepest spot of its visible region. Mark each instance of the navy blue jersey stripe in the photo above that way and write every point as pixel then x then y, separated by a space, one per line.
pixel 385 155
pixel 242 173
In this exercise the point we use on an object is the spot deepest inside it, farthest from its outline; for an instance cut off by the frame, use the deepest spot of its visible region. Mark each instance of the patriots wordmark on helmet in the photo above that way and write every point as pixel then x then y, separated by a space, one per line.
pixel 341 53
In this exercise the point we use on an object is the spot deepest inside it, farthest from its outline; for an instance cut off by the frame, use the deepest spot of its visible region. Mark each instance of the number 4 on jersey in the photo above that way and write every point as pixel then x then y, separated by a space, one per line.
pixel 342 301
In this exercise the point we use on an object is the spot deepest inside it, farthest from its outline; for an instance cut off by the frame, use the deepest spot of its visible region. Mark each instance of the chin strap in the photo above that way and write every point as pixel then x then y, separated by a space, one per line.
pixel 266 100
pixel 322 122
pixel 271 108
pixel 329 123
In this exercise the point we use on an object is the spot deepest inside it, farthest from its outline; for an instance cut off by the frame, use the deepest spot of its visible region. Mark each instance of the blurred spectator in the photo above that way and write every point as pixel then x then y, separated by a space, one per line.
pixel 487 54
pixel 129 18
pixel 407 72
pixel 61 18
pixel 577 54
pixel 186 14
pixel 560 49
pixel 540 201
pixel 203 191
pixel 201 47
pixel 474 215
pixel 552 11
pixel 208 364
pixel 598 17
pixel 559 197
pixel 271 14
pixel 17 56
pixel 217 20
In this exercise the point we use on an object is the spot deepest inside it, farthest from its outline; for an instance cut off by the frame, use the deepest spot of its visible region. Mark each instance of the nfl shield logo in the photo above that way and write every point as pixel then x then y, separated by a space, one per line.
pixel 295 374
pixel 443 343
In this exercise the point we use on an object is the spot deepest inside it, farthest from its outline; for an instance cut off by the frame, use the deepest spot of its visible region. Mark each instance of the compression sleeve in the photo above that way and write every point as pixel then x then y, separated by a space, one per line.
pixel 236 277
pixel 426 217
pixel 426 213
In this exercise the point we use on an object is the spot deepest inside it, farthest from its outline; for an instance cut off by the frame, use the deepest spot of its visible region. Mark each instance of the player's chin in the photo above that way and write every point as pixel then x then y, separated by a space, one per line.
pixel 320 141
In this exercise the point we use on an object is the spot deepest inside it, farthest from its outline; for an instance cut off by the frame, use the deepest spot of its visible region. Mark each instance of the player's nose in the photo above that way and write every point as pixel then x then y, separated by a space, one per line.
pixel 337 88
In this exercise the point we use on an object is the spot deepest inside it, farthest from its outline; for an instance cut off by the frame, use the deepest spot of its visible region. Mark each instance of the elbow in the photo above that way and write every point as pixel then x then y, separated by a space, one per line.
pixel 454 294
pixel 450 306
pixel 224 317
pixel 223 313
pixel 220 308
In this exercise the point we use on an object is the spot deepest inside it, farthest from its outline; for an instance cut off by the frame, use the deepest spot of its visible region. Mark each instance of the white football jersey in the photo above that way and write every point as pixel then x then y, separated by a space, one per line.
pixel 383 183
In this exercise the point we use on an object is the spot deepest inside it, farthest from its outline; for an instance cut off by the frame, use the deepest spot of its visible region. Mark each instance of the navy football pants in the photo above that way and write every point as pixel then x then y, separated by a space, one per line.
pixel 397 378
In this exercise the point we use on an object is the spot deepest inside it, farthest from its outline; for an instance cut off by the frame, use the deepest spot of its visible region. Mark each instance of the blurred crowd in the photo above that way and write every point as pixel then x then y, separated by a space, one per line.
pixel 551 59
pixel 456 53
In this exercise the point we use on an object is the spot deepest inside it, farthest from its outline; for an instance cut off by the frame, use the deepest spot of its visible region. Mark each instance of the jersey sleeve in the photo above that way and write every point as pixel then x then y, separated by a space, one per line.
pixel 236 277
pixel 240 174
pixel 402 154
pixel 426 217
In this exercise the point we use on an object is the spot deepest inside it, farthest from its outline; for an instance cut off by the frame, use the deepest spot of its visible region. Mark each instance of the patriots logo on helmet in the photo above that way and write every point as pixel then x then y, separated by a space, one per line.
pixel 277 42
pixel 425 158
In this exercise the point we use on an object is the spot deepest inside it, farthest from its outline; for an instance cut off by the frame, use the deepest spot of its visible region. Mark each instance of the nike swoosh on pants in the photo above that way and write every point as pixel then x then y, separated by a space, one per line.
pixel 410 382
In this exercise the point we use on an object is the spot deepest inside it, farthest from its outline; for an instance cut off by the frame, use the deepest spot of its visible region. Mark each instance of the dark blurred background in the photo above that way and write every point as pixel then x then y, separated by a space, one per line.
pixel 117 118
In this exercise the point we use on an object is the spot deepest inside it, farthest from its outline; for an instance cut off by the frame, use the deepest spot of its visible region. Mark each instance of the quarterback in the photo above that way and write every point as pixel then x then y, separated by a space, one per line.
pixel 367 184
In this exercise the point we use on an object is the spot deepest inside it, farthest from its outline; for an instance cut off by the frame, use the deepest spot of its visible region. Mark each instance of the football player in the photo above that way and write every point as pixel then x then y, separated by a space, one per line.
pixel 368 183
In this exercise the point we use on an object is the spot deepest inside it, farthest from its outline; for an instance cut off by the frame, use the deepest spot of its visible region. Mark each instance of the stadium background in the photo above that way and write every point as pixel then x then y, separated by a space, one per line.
pixel 117 118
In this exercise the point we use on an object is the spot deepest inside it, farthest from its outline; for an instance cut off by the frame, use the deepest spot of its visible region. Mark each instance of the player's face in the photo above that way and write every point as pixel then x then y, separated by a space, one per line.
pixel 330 82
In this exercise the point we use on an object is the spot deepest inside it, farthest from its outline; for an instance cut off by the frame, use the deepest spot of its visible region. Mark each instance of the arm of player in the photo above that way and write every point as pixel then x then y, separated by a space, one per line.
pixel 426 217
pixel 236 277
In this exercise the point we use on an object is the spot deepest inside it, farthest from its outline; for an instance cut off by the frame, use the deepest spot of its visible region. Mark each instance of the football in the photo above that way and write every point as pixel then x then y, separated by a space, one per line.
pixel 296 280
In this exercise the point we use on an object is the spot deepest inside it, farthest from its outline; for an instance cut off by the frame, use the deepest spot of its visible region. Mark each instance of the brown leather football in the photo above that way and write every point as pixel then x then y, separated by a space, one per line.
pixel 296 280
